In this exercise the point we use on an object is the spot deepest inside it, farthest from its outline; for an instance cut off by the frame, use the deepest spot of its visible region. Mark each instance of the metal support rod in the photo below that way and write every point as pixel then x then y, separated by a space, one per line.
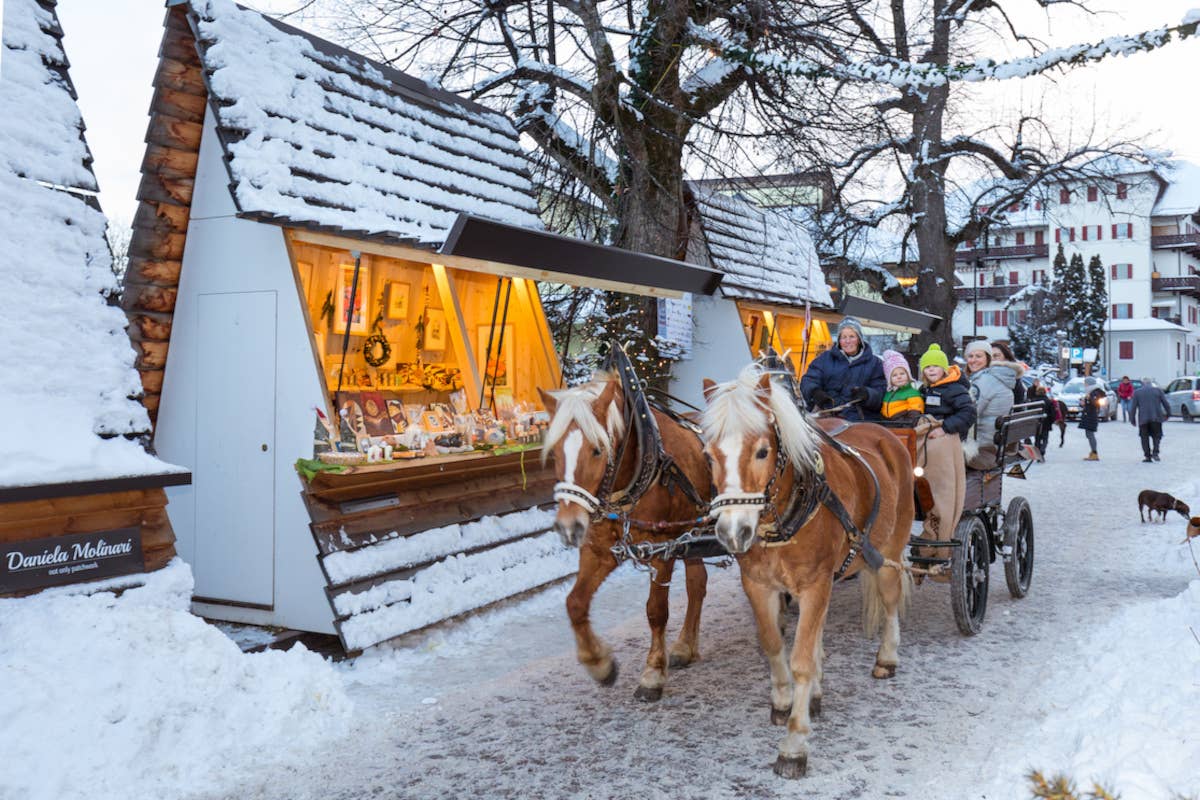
pixel 349 318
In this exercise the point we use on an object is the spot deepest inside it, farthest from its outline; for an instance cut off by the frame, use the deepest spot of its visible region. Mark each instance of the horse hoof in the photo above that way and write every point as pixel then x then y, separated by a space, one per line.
pixel 883 671
pixel 611 677
pixel 779 716
pixel 677 661
pixel 814 707
pixel 648 694
pixel 791 768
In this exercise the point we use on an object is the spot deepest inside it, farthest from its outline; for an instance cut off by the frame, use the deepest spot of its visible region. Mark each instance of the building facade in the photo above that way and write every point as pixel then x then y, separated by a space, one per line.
pixel 1144 223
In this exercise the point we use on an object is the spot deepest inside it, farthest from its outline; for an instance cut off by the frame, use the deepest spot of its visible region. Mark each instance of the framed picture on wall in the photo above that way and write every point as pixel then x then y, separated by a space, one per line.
pixel 496 369
pixel 435 330
pixel 341 299
pixel 397 300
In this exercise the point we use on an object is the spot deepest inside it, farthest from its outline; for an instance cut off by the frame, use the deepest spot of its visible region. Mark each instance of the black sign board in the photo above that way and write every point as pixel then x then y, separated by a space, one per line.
pixel 38 563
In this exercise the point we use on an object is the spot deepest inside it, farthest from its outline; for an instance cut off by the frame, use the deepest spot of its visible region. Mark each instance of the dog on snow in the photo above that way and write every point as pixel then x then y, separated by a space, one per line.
pixel 1162 503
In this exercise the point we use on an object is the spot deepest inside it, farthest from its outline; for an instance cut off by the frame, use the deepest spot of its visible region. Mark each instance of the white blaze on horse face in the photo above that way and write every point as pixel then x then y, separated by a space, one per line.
pixel 730 448
pixel 571 447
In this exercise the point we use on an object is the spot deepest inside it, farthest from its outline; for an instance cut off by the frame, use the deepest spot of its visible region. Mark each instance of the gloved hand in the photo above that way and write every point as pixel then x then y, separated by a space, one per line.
pixel 821 399
pixel 859 394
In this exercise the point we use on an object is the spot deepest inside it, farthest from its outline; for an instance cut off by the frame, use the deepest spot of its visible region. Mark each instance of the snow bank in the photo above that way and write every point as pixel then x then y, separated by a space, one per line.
pixel 133 696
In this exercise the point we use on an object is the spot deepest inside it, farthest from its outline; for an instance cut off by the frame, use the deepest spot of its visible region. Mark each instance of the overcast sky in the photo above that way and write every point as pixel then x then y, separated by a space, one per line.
pixel 113 47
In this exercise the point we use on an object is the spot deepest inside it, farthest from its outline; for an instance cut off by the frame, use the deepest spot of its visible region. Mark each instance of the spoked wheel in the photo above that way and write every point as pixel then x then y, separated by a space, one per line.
pixel 1018 547
pixel 969 574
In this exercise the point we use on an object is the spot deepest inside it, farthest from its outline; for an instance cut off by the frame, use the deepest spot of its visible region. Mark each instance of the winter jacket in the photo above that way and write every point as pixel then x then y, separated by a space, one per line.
pixel 992 390
pixel 950 401
pixel 836 374
pixel 1089 410
pixel 903 400
pixel 1125 390
pixel 1149 405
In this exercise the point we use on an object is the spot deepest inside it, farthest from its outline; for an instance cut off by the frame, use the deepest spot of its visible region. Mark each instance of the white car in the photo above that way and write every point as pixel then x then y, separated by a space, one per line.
pixel 1073 392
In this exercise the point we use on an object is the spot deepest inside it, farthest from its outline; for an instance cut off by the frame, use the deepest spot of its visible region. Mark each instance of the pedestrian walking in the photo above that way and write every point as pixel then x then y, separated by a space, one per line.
pixel 1148 410
pixel 1038 393
pixel 1125 396
pixel 1089 420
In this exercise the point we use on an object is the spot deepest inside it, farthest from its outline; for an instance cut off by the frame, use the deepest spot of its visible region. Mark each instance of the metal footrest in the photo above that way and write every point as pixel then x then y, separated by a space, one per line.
pixel 926 561
pixel 917 541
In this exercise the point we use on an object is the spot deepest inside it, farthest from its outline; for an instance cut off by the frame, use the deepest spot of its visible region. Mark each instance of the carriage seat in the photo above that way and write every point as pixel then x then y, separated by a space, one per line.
pixel 984 486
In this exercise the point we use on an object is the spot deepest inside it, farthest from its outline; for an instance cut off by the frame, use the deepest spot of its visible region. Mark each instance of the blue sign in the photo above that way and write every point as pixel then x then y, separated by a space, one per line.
pixel 1076 355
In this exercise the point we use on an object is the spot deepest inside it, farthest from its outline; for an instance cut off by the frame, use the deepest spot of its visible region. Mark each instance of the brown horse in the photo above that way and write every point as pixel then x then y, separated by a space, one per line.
pixel 771 467
pixel 585 430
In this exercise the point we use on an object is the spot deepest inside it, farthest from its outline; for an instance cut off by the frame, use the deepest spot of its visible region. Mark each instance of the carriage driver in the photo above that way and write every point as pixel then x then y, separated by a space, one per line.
pixel 846 372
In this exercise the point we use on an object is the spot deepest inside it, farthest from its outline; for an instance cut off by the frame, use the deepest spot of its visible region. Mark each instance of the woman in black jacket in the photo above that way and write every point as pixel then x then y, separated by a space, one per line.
pixel 1089 419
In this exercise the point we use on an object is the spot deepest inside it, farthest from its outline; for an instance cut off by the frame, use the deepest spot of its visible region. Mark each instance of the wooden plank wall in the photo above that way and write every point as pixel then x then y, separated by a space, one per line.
pixel 165 198
pixel 61 516
pixel 367 510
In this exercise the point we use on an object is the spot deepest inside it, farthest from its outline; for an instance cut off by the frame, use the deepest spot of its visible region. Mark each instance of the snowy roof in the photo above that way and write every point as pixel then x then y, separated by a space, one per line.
pixel 1142 324
pixel 1182 195
pixel 319 137
pixel 66 366
pixel 763 254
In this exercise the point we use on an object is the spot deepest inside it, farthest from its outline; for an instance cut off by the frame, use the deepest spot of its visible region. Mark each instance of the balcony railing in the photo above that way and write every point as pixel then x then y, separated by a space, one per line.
pixel 1018 251
pixel 987 292
pixel 1187 284
pixel 1177 241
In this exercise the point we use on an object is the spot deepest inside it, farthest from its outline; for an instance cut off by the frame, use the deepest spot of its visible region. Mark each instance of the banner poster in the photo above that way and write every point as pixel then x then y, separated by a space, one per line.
pixel 675 324
pixel 58 560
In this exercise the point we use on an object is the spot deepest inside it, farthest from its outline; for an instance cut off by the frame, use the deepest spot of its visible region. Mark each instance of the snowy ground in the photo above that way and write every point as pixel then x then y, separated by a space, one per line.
pixel 1096 672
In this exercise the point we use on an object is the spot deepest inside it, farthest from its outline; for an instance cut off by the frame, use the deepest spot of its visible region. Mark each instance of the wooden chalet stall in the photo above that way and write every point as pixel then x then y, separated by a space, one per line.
pixel 80 498
pixel 321 233
pixel 773 290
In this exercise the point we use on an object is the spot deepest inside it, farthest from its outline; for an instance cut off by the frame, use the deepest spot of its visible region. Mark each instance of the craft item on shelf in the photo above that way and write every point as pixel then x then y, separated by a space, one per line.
pixel 413 413
pixel 431 421
pixel 444 414
pixel 396 414
pixel 431 448
pixel 376 421
pixel 494 436
pixel 458 399
pixel 323 440
pixel 374 453
pixel 348 441
pixel 449 440
pixel 342 459
pixel 377 349
pixel 387 452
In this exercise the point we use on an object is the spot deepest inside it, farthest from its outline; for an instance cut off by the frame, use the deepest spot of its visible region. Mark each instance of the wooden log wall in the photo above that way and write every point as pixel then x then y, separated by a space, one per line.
pixel 62 516
pixel 164 202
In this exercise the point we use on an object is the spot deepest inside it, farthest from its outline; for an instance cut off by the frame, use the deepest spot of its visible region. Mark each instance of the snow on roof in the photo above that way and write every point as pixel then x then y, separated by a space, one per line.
pixel 763 254
pixel 1143 324
pixel 66 366
pixel 317 136
pixel 1182 195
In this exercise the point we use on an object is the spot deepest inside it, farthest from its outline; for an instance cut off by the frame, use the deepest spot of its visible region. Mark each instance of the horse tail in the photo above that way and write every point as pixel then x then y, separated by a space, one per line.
pixel 874 610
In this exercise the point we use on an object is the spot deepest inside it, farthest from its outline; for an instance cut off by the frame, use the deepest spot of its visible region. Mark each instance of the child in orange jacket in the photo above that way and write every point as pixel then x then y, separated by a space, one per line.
pixel 902 402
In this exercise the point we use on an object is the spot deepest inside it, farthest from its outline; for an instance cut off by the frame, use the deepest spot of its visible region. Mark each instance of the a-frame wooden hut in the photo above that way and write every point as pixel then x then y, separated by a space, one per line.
pixel 320 231
pixel 80 498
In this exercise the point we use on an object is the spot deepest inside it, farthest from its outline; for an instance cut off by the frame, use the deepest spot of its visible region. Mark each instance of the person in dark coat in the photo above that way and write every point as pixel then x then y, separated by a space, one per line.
pixel 1038 393
pixel 1148 409
pixel 1089 419
pixel 847 371
pixel 947 396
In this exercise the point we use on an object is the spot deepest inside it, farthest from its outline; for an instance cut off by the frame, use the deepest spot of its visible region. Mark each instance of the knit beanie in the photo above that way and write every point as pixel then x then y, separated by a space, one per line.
pixel 852 324
pixel 934 357
pixel 893 360
pixel 982 345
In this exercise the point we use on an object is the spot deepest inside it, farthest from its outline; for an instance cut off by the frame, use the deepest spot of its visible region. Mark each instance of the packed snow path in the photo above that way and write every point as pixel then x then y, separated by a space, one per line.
pixel 497 706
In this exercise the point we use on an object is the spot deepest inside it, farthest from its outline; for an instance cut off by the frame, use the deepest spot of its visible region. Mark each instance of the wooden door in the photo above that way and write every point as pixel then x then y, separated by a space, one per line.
pixel 235 449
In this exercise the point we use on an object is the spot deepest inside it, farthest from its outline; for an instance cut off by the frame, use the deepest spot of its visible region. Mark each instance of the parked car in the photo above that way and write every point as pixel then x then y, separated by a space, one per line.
pixel 1073 392
pixel 1183 396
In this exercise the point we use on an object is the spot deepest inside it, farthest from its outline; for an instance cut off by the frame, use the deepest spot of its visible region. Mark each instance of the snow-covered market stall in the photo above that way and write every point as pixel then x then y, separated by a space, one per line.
pixel 772 295
pixel 80 498
pixel 341 262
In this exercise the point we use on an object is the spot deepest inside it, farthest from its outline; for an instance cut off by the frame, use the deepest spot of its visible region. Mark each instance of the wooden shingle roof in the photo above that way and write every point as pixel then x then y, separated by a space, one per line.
pixel 318 137
pixel 764 255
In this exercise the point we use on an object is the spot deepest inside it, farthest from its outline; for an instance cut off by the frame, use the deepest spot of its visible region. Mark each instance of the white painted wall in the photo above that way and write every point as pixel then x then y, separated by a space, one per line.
pixel 719 349
pixel 226 255
pixel 1153 355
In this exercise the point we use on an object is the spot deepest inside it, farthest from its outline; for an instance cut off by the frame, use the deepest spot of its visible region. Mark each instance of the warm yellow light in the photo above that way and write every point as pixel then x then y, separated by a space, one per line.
pixel 906 282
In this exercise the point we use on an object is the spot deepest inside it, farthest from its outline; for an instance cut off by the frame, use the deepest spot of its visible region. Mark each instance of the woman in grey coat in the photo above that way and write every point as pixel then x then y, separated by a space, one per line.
pixel 992 385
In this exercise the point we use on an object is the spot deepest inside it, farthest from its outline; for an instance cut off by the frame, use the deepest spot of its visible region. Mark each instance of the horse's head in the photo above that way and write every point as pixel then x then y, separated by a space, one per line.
pixel 585 424
pixel 747 423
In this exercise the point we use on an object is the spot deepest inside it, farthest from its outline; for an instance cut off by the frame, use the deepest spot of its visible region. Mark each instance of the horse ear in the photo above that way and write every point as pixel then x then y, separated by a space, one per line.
pixel 547 400
pixel 764 382
pixel 607 396
pixel 710 387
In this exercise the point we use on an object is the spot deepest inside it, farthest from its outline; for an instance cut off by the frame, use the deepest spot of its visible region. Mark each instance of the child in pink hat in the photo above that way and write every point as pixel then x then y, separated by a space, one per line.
pixel 902 402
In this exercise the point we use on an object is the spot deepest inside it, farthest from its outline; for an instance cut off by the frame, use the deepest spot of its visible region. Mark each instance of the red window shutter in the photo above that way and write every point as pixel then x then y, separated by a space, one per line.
pixel 1015 207
pixel 1037 205
pixel 1039 237
pixel 1122 193
pixel 1072 234
pixel 1128 230
pixel 1093 194
pixel 1113 268
pixel 1126 350
pixel 1004 318
pixel 1013 278
pixel 1114 310
pixel 971 244
pixel 1057 235
pixel 1064 196
pixel 1114 230
pixel 1099 232
pixel 978 317
pixel 1084 230
pixel 1020 238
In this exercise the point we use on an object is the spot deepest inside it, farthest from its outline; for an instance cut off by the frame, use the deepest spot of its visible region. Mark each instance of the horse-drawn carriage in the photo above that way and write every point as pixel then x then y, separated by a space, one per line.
pixel 985 530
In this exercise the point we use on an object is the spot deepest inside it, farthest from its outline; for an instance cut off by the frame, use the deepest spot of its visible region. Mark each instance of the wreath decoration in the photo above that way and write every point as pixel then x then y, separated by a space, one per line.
pixel 377 349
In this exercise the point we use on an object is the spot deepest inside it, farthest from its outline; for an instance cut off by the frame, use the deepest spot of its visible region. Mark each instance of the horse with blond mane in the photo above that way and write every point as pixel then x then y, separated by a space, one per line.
pixel 615 490
pixel 803 503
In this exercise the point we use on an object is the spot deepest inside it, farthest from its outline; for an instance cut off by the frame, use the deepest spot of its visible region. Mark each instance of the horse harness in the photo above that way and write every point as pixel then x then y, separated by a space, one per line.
pixel 810 491
pixel 653 463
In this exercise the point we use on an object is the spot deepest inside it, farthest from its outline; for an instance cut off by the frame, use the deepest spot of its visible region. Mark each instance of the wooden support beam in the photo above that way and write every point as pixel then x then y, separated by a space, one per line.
pixel 180 77
pixel 140 297
pixel 155 188
pixel 152 380
pixel 174 133
pixel 153 271
pixel 170 162
pixel 156 244
pixel 150 355
pixel 150 326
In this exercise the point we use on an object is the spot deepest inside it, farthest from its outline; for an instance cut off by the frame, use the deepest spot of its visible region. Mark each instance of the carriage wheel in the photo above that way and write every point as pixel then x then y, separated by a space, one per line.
pixel 1018 547
pixel 969 575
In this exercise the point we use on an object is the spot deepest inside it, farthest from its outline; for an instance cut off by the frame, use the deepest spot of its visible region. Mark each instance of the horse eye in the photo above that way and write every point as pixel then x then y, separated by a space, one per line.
pixel 761 454
pixel 596 451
